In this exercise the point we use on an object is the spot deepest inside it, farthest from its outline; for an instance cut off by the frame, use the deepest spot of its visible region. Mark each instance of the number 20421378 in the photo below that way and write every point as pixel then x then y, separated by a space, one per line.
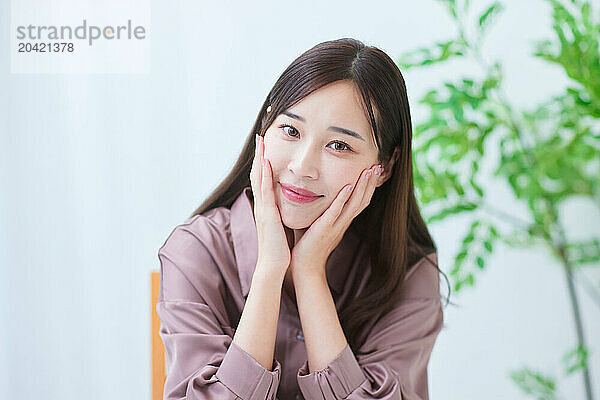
pixel 45 47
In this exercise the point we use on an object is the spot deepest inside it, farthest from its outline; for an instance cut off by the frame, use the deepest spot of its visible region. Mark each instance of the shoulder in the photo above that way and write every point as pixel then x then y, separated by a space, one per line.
pixel 195 249
pixel 198 233
pixel 422 280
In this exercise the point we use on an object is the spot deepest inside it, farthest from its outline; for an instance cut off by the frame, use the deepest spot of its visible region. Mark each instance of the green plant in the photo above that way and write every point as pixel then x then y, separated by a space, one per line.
pixel 546 156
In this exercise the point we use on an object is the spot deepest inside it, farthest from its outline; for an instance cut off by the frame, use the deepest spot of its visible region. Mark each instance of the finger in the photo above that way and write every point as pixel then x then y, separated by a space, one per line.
pixel 256 175
pixel 370 187
pixel 268 196
pixel 353 205
pixel 260 170
pixel 255 165
pixel 261 159
pixel 332 214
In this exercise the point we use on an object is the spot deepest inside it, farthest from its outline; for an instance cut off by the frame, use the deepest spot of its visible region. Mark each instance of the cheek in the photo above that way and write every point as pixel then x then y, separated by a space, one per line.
pixel 277 155
pixel 341 177
pixel 270 146
pixel 278 162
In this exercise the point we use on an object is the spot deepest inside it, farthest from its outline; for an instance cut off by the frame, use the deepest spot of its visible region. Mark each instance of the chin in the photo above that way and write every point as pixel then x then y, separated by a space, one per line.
pixel 295 222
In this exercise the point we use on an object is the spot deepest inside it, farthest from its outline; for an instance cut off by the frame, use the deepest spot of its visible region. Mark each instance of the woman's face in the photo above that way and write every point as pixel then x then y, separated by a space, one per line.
pixel 307 148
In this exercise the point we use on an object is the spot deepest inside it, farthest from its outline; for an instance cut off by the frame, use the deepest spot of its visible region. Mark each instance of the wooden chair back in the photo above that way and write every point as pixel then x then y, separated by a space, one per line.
pixel 158 348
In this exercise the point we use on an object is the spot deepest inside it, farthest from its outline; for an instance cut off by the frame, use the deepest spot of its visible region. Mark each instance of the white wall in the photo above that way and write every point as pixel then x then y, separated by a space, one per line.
pixel 96 170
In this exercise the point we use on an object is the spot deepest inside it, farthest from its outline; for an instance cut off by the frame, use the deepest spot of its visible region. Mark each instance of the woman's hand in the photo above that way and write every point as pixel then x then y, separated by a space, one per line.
pixel 311 250
pixel 273 249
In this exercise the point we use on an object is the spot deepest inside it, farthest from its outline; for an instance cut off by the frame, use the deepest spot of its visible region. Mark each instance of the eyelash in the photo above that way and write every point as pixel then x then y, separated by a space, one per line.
pixel 337 141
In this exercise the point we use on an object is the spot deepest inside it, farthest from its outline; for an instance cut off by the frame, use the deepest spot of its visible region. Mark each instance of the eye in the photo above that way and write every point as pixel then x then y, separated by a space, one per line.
pixel 343 149
pixel 287 126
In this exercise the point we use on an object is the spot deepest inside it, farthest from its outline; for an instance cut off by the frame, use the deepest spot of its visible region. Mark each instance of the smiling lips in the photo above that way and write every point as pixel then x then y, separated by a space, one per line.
pixel 297 194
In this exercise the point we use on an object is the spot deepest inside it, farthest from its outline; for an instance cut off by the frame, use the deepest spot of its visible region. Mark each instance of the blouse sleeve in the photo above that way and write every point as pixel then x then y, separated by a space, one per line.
pixel 202 360
pixel 392 362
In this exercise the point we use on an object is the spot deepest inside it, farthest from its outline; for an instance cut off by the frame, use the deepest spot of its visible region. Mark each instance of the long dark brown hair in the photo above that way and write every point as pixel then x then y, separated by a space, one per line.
pixel 391 225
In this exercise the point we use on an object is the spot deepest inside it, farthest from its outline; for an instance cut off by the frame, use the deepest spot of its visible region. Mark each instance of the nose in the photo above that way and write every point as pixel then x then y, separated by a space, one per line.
pixel 303 162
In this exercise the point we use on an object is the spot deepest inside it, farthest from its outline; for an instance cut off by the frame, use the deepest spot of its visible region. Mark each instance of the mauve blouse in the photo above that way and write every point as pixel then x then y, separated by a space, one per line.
pixel 206 268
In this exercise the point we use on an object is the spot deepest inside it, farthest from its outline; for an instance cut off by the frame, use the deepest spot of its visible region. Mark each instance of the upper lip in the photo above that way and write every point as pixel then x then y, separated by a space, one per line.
pixel 300 191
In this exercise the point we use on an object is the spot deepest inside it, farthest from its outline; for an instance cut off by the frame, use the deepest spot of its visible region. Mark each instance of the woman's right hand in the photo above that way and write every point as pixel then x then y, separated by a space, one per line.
pixel 273 249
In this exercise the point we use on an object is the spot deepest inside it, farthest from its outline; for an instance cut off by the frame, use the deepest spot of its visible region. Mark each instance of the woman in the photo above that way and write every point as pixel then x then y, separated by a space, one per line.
pixel 283 284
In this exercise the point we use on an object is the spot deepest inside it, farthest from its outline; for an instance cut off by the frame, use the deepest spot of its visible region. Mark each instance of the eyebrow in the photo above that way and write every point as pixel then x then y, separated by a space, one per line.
pixel 331 128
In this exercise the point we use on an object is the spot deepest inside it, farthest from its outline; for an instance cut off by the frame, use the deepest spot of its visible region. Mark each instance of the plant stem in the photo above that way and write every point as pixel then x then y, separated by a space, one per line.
pixel 578 325
pixel 562 253
pixel 580 278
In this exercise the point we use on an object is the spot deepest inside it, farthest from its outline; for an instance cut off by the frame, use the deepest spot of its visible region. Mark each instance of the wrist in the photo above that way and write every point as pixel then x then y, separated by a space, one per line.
pixel 268 274
pixel 309 274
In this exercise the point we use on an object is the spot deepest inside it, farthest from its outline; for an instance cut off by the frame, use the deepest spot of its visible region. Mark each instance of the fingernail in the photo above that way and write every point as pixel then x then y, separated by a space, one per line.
pixel 348 188
pixel 378 170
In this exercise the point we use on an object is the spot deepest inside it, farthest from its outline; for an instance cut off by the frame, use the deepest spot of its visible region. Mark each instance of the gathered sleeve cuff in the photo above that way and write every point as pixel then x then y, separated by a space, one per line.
pixel 246 377
pixel 336 381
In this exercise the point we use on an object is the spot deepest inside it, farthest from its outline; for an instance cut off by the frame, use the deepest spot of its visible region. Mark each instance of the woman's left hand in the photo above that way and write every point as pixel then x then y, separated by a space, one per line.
pixel 311 250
